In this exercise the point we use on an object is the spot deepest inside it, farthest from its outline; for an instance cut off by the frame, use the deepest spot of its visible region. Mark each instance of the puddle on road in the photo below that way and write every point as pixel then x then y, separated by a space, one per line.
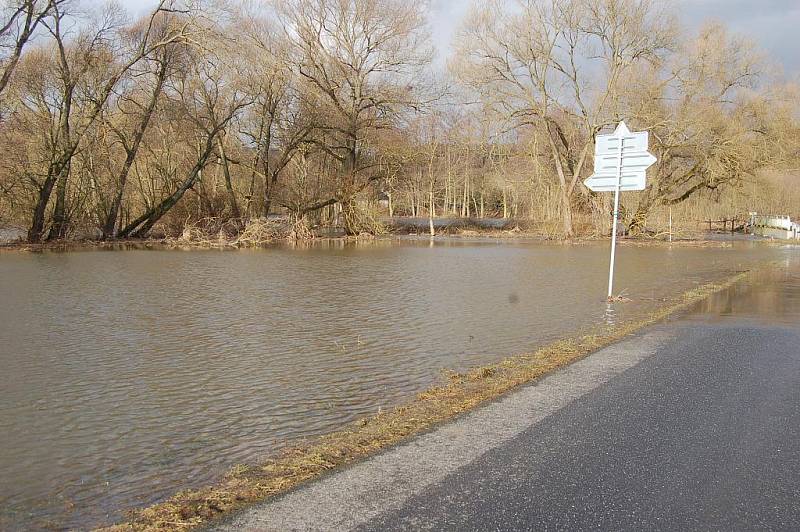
pixel 770 297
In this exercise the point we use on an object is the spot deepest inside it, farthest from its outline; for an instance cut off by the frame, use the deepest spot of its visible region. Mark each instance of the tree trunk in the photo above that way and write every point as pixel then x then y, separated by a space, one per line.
pixel 566 215
pixel 267 196
pixel 60 222
pixel 109 227
pixel 465 202
pixel 566 207
pixel 228 184
pixel 37 225
pixel 142 225
pixel 270 186
pixel 54 174
pixel 110 223
pixel 270 174
pixel 637 222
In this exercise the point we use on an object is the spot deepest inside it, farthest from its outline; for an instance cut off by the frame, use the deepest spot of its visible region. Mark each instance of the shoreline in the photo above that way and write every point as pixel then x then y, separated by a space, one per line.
pixel 458 394
pixel 700 239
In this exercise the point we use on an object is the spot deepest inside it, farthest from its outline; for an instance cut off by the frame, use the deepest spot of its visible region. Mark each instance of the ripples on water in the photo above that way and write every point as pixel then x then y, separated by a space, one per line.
pixel 129 375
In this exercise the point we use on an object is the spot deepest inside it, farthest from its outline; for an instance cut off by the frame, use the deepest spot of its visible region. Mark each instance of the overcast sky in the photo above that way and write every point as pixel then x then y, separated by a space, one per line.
pixel 773 24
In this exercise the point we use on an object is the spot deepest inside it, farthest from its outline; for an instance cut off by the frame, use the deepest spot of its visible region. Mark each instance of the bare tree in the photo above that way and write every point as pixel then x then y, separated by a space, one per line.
pixel 19 21
pixel 555 65
pixel 711 125
pixel 363 60
pixel 87 68
pixel 137 108
pixel 281 119
pixel 206 99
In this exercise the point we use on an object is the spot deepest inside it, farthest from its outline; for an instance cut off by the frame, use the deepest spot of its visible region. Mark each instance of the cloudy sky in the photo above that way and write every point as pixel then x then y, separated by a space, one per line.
pixel 773 24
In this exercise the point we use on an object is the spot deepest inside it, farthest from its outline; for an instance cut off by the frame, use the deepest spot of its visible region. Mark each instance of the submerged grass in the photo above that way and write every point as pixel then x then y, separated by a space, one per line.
pixel 459 393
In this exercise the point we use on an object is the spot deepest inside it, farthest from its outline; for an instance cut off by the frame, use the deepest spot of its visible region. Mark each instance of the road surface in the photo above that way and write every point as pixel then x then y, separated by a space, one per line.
pixel 689 425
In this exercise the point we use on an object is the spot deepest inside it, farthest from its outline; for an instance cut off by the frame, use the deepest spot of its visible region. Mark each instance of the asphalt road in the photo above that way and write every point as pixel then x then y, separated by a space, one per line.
pixel 690 425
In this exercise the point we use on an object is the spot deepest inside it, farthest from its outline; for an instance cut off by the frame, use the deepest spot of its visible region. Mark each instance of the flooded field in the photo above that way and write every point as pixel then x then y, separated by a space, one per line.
pixel 128 375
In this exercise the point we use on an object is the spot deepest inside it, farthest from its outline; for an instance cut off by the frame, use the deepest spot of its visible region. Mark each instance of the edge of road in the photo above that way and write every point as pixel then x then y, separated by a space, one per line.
pixel 250 496
pixel 353 495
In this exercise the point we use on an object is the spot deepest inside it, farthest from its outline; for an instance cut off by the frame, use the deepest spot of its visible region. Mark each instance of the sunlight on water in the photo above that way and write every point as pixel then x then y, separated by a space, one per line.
pixel 771 297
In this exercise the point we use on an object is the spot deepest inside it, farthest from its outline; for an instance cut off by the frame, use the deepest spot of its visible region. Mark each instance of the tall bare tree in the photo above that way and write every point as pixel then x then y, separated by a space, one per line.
pixel 556 65
pixel 20 19
pixel 206 97
pixel 281 119
pixel 363 60
pixel 712 125
pixel 88 68
pixel 136 106
pixel 207 111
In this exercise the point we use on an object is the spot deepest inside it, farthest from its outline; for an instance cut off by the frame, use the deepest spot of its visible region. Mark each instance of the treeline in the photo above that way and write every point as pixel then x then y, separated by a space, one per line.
pixel 336 112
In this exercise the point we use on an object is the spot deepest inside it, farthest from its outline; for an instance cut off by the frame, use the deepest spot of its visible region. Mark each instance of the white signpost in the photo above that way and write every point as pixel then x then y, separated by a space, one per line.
pixel 621 161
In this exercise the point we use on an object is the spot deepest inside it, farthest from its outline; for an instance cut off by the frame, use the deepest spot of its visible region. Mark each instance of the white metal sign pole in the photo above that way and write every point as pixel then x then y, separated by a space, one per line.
pixel 616 217
pixel 621 161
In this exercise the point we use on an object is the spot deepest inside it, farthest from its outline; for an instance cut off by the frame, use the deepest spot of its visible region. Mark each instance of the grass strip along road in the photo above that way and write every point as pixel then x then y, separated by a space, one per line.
pixel 463 393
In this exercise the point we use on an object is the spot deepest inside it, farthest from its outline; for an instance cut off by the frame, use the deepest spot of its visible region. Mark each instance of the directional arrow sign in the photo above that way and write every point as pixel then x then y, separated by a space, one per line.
pixel 620 157
pixel 621 161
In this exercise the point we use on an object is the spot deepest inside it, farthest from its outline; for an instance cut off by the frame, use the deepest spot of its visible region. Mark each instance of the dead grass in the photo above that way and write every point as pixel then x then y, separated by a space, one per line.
pixel 234 233
pixel 459 393
pixel 660 242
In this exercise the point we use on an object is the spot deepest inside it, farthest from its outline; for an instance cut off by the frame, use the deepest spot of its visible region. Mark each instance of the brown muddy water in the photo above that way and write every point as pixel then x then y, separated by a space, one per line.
pixel 129 375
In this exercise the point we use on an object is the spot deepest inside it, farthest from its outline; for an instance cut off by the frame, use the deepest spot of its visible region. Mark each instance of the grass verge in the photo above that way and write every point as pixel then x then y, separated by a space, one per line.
pixel 459 393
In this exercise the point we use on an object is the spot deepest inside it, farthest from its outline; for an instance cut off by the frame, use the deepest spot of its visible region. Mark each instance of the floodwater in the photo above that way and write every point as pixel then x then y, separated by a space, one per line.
pixel 129 375
pixel 770 297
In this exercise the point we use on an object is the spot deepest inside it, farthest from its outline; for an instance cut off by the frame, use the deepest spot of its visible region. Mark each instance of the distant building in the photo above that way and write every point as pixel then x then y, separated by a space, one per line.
pixel 774 226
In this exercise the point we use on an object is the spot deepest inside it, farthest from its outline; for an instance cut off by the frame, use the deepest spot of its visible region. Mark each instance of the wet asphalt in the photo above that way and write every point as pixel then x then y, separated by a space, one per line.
pixel 703 435
pixel 690 425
